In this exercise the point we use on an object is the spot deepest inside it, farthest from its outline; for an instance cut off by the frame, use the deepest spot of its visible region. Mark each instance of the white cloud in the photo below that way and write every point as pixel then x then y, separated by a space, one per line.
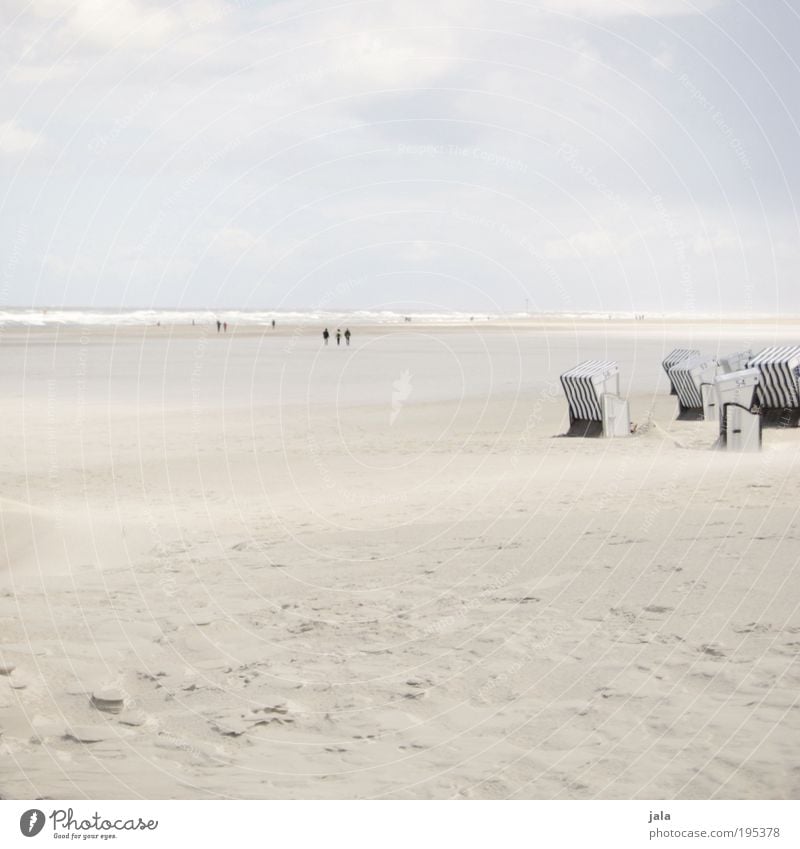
pixel 232 240
pixel 267 140
pixel 38 73
pixel 616 8
pixel 704 244
pixel 106 23
pixel 77 267
pixel 15 139
pixel 664 60
pixel 596 243
pixel 240 245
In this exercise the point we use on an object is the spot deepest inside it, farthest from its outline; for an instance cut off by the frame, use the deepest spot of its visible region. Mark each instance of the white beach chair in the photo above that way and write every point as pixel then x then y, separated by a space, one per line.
pixel 734 362
pixel 778 391
pixel 595 407
pixel 740 421
pixel 728 364
pixel 688 376
pixel 673 358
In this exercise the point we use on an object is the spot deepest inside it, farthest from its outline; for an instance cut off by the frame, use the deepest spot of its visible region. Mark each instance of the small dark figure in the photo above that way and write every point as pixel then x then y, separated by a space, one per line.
pixel 273 323
pixel 219 325
pixel 225 326
pixel 326 335
pixel 338 336
pixel 347 335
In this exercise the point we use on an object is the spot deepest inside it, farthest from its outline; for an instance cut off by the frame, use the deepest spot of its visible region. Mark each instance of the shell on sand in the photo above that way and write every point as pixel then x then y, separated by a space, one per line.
pixel 88 733
pixel 6 668
pixel 109 700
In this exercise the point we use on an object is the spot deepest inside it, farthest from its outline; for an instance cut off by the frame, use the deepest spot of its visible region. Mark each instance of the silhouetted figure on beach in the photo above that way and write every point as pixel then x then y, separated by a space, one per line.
pixel 225 326
pixel 338 336
pixel 326 335
pixel 347 335
pixel 219 325
pixel 273 323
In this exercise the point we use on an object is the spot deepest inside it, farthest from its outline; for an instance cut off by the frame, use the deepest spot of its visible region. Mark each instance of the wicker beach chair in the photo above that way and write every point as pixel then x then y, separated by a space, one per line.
pixel 595 408
pixel 740 420
pixel 688 377
pixel 778 391
pixel 673 358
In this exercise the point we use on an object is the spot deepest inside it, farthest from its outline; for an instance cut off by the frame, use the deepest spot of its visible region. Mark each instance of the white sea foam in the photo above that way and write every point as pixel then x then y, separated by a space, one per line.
pixel 142 317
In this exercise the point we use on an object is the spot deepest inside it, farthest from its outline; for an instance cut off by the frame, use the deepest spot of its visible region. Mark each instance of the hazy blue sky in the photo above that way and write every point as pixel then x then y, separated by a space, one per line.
pixel 459 154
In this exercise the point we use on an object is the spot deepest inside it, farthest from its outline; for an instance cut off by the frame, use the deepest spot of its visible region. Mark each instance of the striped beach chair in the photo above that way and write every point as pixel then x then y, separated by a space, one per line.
pixel 673 358
pixel 595 408
pixel 778 391
pixel 740 420
pixel 688 376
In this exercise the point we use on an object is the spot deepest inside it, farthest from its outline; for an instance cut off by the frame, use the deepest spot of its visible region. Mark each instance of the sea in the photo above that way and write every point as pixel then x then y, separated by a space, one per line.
pixel 90 317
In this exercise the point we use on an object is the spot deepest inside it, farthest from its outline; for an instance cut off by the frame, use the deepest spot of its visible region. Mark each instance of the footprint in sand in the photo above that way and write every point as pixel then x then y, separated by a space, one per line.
pixel 753 628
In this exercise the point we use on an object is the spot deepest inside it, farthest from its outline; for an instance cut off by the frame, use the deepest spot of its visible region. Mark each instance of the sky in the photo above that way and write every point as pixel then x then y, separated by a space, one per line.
pixel 478 155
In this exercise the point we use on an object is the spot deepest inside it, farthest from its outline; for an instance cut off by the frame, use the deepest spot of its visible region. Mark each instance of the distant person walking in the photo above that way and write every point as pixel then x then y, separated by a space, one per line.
pixel 219 325
pixel 338 336
pixel 273 323
pixel 326 335
pixel 225 326
pixel 347 336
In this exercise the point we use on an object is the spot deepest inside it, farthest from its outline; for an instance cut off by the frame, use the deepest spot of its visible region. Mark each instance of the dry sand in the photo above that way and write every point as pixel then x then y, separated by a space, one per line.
pixel 290 571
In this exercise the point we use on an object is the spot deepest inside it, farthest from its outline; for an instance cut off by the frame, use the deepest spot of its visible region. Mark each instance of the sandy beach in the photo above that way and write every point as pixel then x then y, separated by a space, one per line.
pixel 247 565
